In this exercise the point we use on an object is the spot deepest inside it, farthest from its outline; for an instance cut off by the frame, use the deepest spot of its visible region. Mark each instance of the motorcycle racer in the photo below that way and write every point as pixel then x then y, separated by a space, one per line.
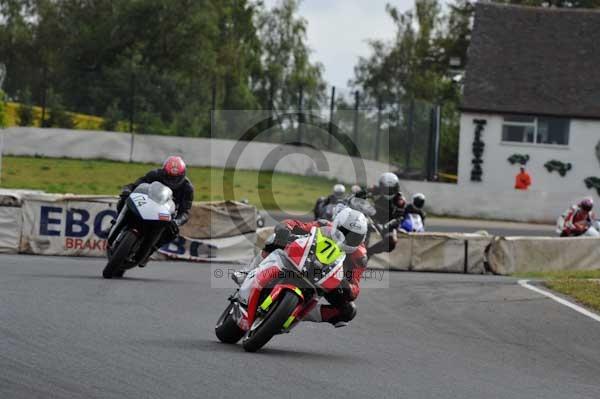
pixel 578 218
pixel 173 175
pixel 390 205
pixel 353 225
pixel 324 205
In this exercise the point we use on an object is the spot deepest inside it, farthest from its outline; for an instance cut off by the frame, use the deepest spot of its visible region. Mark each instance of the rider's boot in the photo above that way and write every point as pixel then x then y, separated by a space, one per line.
pixel 316 316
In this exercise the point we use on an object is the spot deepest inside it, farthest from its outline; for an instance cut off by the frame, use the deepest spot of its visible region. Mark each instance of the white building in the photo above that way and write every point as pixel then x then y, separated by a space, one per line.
pixel 532 90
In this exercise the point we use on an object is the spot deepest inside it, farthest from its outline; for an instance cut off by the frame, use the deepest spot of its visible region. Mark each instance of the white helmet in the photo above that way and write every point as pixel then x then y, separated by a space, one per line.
pixel 356 189
pixel 353 225
pixel 339 190
pixel 389 185
pixel 418 200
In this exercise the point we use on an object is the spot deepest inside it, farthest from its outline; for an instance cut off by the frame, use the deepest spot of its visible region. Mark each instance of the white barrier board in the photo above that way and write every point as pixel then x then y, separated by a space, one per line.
pixel 10 229
pixel 532 254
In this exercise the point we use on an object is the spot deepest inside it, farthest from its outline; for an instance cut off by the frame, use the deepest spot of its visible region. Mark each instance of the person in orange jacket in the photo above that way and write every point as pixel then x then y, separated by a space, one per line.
pixel 523 180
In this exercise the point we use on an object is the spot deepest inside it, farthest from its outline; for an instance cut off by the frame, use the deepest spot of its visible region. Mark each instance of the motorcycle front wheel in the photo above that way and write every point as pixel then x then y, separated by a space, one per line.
pixel 272 323
pixel 227 329
pixel 119 255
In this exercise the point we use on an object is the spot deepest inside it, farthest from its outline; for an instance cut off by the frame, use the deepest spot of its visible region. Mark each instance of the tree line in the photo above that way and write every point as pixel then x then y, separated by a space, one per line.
pixel 169 61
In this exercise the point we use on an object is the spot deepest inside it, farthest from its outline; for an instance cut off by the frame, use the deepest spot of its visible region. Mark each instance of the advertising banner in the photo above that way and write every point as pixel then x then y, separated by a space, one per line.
pixel 72 227
pixel 79 227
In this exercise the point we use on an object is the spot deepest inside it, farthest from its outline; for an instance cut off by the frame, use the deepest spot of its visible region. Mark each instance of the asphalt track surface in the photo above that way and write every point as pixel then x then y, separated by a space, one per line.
pixel 67 333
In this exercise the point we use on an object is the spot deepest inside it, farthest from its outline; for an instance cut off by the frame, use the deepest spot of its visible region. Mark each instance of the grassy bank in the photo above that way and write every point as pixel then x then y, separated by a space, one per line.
pixel 586 292
pixel 289 192
pixel 582 285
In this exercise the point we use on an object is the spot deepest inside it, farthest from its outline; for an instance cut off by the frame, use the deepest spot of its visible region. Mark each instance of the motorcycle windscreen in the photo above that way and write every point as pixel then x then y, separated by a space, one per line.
pixel 160 193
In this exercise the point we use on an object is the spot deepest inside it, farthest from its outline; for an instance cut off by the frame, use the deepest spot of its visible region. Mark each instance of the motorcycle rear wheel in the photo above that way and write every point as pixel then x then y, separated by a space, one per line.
pixel 227 329
pixel 272 323
pixel 119 255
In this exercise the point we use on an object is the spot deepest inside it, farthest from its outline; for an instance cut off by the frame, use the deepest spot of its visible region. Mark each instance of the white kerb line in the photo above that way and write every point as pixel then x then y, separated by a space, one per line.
pixel 577 308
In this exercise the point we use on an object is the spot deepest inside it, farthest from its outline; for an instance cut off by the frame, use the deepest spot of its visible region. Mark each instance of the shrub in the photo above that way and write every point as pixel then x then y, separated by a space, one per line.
pixel 58 116
pixel 2 110
pixel 25 114
pixel 112 117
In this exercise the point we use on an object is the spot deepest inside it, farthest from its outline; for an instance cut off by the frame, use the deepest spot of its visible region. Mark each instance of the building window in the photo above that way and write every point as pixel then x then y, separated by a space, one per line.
pixel 535 130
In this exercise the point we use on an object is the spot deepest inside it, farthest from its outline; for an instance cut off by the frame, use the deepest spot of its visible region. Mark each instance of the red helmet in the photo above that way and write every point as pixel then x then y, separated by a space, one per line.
pixel 174 171
pixel 587 204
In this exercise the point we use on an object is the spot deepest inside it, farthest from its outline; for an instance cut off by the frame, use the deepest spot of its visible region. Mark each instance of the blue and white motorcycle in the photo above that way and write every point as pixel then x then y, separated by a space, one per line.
pixel 135 234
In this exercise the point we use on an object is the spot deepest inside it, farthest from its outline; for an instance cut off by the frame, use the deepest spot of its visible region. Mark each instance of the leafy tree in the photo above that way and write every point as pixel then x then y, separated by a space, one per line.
pixel 285 59
pixel 157 61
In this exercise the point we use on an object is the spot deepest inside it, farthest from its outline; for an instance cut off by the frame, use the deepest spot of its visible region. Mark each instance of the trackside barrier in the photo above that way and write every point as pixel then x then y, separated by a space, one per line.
pixel 55 224
pixel 508 255
pixel 39 223
pixel 11 218
pixel 262 235
pixel 220 220
pixel 10 229
pixel 432 252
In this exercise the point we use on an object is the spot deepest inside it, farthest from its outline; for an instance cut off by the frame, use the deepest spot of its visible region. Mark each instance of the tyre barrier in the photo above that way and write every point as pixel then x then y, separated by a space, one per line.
pixel 436 252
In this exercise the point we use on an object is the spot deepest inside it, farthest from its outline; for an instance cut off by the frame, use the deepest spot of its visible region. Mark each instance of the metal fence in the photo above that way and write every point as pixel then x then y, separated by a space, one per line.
pixel 405 133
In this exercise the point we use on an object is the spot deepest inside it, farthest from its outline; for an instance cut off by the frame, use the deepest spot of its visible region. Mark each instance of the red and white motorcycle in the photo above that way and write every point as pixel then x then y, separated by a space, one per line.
pixel 283 289
pixel 593 229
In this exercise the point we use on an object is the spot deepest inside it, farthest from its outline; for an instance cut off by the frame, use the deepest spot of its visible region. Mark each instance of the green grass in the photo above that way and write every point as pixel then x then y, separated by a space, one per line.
pixel 285 191
pixel 582 285
pixel 561 274
pixel 587 292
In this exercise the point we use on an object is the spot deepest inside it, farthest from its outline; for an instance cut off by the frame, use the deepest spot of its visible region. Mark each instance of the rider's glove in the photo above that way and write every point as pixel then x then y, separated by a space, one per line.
pixel 125 193
pixel 282 237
